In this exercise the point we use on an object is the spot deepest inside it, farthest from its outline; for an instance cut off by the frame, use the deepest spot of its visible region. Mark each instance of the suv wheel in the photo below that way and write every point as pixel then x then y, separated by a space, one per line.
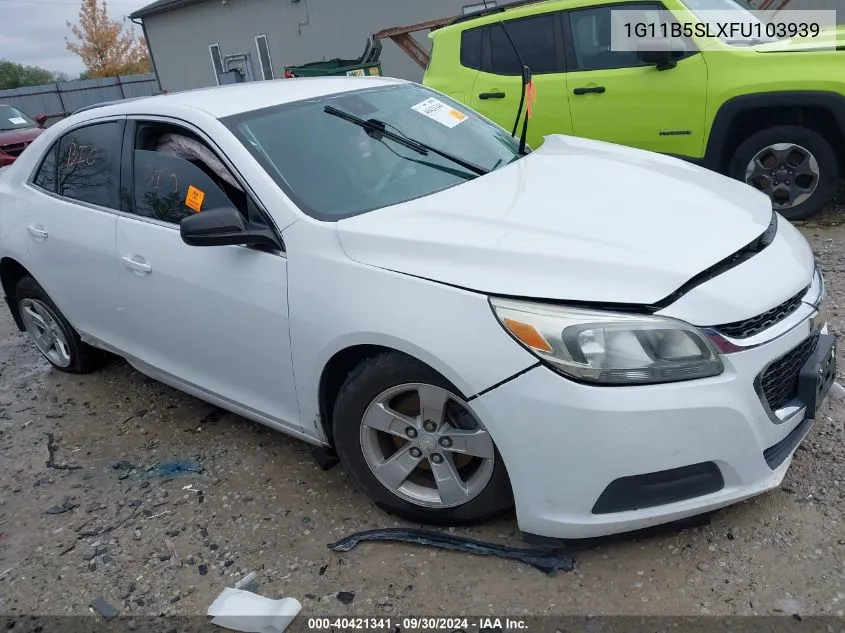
pixel 414 446
pixel 795 166
pixel 54 337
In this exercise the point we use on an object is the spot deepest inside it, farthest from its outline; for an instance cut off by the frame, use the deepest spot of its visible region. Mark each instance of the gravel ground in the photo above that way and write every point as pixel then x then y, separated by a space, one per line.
pixel 261 504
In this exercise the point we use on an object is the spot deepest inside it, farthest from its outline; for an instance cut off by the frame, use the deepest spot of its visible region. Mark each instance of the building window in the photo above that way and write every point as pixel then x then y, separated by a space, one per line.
pixel 264 57
pixel 479 6
pixel 216 61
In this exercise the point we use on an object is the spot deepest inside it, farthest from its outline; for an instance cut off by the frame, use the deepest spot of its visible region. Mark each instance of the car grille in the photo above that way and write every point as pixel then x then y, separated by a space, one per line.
pixel 14 149
pixel 762 322
pixel 779 382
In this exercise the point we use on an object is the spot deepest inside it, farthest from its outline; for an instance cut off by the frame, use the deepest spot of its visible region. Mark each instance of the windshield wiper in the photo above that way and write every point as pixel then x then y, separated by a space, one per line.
pixel 378 129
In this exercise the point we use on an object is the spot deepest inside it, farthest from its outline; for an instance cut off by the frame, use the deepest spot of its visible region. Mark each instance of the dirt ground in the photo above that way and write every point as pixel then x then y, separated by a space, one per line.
pixel 263 505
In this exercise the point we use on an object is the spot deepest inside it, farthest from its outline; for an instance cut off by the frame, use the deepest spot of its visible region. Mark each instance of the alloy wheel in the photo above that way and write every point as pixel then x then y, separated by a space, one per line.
pixel 425 445
pixel 43 327
pixel 786 172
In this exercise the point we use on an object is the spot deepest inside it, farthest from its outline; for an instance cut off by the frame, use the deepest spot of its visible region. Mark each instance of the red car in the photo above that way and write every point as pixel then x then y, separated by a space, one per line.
pixel 17 130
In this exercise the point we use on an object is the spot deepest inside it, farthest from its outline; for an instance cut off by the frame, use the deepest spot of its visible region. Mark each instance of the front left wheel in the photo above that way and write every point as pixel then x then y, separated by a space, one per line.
pixel 414 446
pixel 54 337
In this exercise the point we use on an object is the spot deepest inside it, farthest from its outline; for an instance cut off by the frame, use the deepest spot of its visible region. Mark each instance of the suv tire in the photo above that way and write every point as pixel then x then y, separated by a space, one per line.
pixel 798 159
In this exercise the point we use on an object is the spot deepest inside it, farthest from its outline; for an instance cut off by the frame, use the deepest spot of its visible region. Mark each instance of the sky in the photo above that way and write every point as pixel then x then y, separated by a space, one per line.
pixel 32 32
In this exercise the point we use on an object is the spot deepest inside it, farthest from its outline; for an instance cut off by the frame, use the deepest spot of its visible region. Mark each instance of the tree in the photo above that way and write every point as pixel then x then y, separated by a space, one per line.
pixel 107 47
pixel 14 75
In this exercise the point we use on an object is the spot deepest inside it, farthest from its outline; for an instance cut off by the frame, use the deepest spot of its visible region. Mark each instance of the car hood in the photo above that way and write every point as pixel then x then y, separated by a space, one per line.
pixel 575 220
pixel 24 135
pixel 830 38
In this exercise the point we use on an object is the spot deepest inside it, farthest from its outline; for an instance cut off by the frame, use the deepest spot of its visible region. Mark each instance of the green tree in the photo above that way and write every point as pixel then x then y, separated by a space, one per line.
pixel 14 75
pixel 108 48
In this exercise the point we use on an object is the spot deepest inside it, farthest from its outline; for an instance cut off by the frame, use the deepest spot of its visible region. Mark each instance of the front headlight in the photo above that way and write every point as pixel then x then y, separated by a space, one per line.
pixel 610 348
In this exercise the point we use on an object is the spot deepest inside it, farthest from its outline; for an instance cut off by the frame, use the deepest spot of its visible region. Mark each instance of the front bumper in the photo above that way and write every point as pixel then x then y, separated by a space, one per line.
pixel 565 444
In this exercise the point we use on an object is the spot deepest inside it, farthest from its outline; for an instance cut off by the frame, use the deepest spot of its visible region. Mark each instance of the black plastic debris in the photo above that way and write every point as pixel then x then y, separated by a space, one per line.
pixel 345 597
pixel 203 569
pixel 545 561
pixel 66 506
pixel 104 608
pixel 52 448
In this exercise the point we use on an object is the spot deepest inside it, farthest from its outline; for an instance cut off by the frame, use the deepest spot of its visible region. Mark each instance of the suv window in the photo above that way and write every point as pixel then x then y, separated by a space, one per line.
pixel 535 39
pixel 89 164
pixel 175 175
pixel 471 49
pixel 592 34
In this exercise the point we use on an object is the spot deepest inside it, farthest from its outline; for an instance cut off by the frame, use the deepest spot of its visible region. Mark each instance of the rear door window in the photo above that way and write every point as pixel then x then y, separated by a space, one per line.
pixel 471 49
pixel 534 37
pixel 89 164
pixel 45 177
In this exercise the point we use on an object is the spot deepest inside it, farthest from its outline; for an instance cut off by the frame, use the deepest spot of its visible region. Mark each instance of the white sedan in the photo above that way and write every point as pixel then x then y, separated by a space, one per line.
pixel 605 338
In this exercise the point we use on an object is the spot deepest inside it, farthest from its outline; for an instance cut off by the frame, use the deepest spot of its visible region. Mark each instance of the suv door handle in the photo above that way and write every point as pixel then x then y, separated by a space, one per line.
pixel 492 95
pixel 37 231
pixel 590 90
pixel 135 265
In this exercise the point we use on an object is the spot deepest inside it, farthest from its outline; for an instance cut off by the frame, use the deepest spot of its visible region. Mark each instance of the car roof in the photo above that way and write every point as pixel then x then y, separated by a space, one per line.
pixel 223 101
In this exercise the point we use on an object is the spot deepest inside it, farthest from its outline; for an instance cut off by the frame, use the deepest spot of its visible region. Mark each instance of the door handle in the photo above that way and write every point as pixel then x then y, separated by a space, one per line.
pixel 492 95
pixel 590 90
pixel 138 267
pixel 37 231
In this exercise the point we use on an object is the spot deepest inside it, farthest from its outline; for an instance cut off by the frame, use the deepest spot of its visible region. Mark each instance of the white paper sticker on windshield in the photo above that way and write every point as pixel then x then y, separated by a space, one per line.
pixel 440 112
pixel 18 120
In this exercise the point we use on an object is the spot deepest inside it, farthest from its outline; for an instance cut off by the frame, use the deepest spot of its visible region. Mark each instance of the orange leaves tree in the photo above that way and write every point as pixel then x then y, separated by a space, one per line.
pixel 107 47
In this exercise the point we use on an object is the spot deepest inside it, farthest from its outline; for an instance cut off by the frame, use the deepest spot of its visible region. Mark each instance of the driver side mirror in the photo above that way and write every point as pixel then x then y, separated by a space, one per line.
pixel 658 52
pixel 224 227
pixel 41 119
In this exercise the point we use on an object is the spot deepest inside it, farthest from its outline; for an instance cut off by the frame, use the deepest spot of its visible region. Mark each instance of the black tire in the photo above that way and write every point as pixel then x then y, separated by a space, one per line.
pixel 371 378
pixel 83 358
pixel 825 155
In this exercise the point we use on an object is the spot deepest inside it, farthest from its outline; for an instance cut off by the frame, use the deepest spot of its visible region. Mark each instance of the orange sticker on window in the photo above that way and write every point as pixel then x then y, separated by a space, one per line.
pixel 459 116
pixel 194 198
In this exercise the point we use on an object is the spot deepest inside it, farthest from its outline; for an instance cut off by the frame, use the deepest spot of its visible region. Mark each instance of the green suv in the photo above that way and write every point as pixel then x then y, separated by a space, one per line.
pixel 771 114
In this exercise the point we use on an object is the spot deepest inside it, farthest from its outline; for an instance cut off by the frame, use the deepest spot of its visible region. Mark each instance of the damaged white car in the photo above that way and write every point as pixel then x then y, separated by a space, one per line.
pixel 602 337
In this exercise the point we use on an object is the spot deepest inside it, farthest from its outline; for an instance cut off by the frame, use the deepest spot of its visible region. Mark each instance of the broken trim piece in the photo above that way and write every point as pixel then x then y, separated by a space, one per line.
pixel 545 561
pixel 505 381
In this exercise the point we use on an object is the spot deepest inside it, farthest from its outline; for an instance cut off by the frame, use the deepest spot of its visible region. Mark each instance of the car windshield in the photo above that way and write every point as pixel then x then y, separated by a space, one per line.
pixel 730 11
pixel 13 119
pixel 333 168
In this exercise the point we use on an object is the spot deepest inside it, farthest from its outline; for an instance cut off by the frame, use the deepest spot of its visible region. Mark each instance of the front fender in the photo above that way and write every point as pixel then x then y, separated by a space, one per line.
pixel 336 303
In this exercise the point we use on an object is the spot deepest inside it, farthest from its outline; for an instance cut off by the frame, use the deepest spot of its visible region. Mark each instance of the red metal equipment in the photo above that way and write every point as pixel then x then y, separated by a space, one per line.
pixel 401 36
